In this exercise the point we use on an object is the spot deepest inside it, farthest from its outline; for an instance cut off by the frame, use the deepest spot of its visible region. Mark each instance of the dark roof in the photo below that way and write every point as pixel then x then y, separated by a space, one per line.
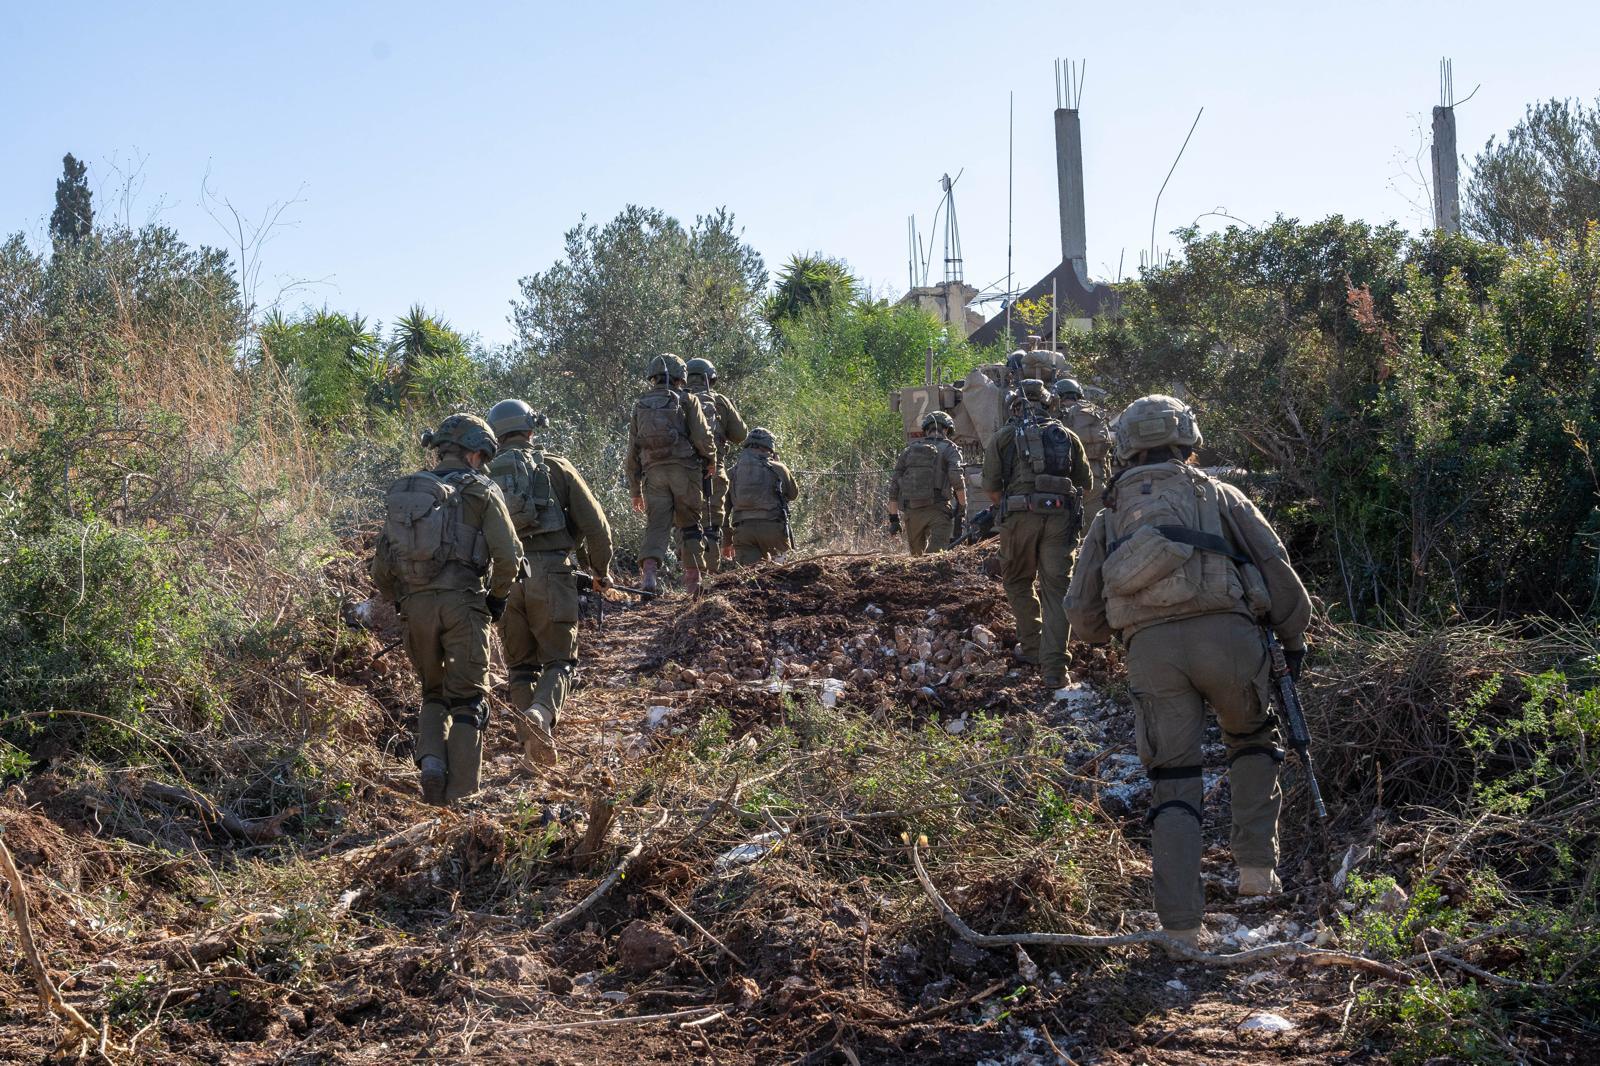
pixel 1076 302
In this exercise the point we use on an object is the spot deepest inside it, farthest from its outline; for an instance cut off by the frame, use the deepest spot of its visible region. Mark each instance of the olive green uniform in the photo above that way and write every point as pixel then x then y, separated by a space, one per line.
pixel 1036 545
pixel 727 430
pixel 540 629
pixel 757 516
pixel 928 522
pixel 1092 425
pixel 668 476
pixel 1181 656
pixel 447 630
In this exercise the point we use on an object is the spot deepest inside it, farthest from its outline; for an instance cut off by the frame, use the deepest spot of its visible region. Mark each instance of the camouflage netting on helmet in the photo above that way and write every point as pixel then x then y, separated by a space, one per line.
pixel 469 433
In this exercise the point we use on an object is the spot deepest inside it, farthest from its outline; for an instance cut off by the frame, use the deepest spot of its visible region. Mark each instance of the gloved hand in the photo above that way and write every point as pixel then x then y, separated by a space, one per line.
pixel 496 605
pixel 1293 658
pixel 894 524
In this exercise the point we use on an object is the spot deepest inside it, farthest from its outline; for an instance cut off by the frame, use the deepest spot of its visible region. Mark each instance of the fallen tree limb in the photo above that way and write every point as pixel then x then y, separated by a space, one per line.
pixel 49 996
pixel 253 830
pixel 633 1019
pixel 1289 949
pixel 604 886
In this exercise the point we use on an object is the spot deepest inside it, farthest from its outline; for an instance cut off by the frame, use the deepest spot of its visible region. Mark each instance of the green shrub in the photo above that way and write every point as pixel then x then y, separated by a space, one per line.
pixel 93 619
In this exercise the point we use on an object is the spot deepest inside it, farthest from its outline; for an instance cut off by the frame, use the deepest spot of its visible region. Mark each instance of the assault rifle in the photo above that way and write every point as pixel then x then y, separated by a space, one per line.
pixel 980 527
pixel 783 506
pixel 584 582
pixel 1288 698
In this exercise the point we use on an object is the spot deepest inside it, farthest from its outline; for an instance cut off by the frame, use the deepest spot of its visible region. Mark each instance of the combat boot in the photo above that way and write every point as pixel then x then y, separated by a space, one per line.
pixel 1189 938
pixel 538 741
pixel 691 582
pixel 647 581
pixel 433 778
pixel 1258 881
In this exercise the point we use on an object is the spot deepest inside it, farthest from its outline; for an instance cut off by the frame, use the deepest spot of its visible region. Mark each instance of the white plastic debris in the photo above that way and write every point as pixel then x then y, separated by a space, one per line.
pixel 831 688
pixel 347 900
pixel 1267 1022
pixel 1257 977
pixel 1027 969
pixel 751 850
pixel 1177 985
pixel 956 726
pixel 655 716
pixel 615 996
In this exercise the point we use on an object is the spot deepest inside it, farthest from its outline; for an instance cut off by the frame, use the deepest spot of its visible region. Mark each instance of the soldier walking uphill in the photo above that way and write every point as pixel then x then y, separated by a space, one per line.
pixel 760 490
pixel 1035 473
pixel 670 452
pixel 927 488
pixel 1093 428
pixel 1185 571
pixel 448 558
pixel 727 429
pixel 551 508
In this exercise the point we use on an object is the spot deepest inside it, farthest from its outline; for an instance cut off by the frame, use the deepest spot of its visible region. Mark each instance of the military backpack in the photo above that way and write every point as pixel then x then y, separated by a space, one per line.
pixel 1092 427
pixel 923 479
pixel 524 477
pixel 1168 553
pixel 754 491
pixel 425 531
pixel 661 428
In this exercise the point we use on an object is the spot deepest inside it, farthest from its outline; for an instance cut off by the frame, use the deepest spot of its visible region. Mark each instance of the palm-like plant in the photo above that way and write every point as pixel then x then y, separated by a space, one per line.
pixel 809 281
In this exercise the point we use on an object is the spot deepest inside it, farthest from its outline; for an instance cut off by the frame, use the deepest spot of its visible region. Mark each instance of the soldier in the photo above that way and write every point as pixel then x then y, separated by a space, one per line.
pixel 760 490
pixel 670 452
pixel 448 558
pixel 1184 570
pixel 927 477
pixel 1093 427
pixel 727 429
pixel 1035 473
pixel 551 508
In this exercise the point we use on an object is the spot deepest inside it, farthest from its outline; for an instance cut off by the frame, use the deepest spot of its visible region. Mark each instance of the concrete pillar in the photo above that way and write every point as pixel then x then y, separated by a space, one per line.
pixel 1069 181
pixel 1446 187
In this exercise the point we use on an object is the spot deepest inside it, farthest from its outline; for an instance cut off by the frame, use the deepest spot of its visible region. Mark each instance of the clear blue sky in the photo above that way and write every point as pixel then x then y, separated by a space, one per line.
pixel 441 150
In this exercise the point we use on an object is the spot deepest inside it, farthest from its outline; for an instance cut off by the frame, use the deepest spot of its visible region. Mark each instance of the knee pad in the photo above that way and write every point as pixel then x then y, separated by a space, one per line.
pixel 1272 751
pixel 1173 805
pixel 523 676
pixel 474 712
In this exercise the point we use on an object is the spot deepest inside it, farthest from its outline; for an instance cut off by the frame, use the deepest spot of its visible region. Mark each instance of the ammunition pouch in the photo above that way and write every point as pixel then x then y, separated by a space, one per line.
pixel 1052 483
pixel 1047 502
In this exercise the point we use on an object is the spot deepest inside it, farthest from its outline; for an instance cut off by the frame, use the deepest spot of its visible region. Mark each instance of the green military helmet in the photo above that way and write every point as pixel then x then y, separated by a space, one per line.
pixel 667 366
pixel 761 437
pixel 704 368
pixel 938 420
pixel 512 416
pixel 1153 422
pixel 1067 389
pixel 467 432
pixel 1033 390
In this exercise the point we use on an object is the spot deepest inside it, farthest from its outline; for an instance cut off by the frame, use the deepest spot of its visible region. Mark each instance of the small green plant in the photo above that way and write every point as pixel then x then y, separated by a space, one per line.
pixel 1430 1021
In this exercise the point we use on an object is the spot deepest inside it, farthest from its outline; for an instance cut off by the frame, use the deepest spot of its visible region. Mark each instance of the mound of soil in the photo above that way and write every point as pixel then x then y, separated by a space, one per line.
pixel 934 633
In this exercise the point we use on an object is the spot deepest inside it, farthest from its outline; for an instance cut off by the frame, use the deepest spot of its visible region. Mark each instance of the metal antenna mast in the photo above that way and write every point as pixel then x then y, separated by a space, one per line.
pixel 952 230
pixel 1011 140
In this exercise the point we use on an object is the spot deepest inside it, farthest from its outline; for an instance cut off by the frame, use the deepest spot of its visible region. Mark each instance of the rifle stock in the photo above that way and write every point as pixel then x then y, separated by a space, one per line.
pixel 1288 698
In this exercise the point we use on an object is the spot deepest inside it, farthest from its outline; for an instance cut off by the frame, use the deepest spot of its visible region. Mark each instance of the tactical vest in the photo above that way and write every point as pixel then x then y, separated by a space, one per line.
pixel 1040 446
pixel 524 477
pixel 1168 550
pixel 923 480
pixel 426 531
pixel 661 428
pixel 1092 427
pixel 754 490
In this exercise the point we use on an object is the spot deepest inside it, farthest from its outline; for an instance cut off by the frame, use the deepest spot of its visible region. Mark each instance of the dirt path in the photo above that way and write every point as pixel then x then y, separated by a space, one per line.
pixel 769 910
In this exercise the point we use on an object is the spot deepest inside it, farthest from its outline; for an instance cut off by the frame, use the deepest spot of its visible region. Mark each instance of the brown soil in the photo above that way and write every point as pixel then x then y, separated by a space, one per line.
pixel 377 930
